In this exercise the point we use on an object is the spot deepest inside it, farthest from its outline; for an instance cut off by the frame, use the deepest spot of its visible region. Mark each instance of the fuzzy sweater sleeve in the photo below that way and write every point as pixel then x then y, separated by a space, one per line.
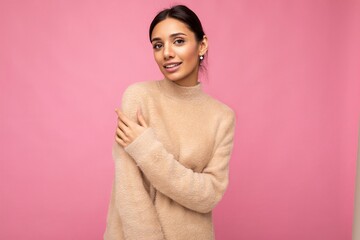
pixel 197 191
pixel 137 212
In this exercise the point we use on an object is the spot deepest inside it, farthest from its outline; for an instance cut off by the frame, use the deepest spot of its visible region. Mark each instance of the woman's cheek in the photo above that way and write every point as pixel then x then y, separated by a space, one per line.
pixel 189 53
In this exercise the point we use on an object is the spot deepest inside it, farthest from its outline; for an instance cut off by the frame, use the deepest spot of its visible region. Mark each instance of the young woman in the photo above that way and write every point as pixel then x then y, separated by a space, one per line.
pixel 173 142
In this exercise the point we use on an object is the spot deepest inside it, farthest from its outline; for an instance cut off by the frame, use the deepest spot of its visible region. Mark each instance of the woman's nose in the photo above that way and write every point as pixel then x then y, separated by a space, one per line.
pixel 168 51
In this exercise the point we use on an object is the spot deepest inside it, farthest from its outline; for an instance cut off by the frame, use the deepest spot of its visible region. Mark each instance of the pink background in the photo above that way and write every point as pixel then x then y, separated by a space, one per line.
pixel 290 70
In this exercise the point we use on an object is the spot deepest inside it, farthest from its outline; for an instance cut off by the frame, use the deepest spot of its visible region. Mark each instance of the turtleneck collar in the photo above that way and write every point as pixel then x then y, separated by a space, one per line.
pixel 174 90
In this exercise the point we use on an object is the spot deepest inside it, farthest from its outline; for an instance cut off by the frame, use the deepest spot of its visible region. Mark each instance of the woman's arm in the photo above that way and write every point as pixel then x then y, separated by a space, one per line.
pixel 197 191
pixel 138 215
pixel 133 203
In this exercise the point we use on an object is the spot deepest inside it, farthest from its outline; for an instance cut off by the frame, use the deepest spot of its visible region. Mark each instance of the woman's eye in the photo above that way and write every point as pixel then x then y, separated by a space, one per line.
pixel 179 41
pixel 157 46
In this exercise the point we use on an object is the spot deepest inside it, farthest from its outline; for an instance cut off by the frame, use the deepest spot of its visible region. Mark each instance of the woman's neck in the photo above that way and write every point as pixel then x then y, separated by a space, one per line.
pixel 189 81
pixel 176 91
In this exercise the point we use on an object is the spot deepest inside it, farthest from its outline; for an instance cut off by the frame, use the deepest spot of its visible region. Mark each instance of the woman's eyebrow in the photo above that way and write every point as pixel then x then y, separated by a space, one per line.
pixel 177 34
pixel 171 35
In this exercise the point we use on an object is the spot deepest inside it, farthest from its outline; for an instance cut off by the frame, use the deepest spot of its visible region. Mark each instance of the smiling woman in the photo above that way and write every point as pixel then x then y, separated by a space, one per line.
pixel 177 52
pixel 178 39
pixel 172 157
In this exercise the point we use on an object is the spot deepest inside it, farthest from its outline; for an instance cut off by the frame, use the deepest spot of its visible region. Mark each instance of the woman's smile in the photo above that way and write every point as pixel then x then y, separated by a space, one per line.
pixel 172 67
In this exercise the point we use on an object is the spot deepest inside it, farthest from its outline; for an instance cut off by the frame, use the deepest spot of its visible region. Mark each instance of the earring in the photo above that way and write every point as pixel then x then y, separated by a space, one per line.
pixel 201 57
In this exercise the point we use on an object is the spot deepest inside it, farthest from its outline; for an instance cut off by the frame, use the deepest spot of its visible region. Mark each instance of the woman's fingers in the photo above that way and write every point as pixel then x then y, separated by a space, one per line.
pixel 127 130
pixel 123 117
pixel 120 134
pixel 120 141
pixel 123 127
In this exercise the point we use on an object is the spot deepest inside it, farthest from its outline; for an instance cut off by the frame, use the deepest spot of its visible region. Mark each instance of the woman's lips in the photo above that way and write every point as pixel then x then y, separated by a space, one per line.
pixel 172 67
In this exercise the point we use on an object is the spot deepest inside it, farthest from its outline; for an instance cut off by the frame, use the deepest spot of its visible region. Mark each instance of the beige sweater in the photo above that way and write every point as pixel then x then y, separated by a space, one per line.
pixel 170 178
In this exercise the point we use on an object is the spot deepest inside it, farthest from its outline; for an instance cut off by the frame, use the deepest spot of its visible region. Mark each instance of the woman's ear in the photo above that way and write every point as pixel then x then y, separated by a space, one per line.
pixel 203 46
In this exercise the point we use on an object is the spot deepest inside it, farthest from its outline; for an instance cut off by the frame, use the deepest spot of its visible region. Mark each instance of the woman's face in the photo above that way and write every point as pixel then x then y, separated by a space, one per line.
pixel 176 51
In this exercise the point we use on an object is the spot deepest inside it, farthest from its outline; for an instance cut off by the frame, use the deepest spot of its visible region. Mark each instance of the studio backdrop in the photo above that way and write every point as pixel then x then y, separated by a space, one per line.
pixel 289 69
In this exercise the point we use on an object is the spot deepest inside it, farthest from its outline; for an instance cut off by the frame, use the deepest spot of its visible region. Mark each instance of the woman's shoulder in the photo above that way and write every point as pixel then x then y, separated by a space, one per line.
pixel 140 88
pixel 220 107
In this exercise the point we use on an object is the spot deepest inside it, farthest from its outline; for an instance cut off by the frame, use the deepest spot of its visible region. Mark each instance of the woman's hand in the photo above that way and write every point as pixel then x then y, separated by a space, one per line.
pixel 127 130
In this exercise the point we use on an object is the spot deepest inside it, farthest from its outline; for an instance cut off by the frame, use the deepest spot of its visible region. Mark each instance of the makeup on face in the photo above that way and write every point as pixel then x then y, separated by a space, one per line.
pixel 176 51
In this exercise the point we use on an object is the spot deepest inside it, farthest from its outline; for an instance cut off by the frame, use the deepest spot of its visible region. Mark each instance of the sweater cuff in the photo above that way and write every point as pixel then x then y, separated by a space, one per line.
pixel 140 147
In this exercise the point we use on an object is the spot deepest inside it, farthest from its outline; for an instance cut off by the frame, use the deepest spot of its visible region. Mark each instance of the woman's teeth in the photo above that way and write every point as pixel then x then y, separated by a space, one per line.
pixel 172 65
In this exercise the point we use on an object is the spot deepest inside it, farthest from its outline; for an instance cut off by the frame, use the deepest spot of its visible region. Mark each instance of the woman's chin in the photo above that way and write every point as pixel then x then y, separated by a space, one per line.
pixel 172 77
